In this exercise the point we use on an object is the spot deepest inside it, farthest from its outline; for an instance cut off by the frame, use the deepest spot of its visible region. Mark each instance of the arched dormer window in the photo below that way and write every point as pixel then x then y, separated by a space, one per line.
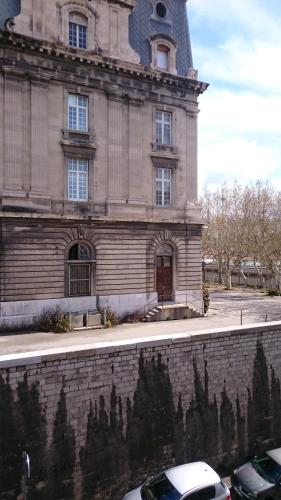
pixel 77 24
pixel 163 52
pixel 79 271
pixel 78 31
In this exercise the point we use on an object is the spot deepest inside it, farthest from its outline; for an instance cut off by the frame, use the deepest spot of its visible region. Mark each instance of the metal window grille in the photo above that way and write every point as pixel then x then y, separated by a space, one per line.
pixel 78 170
pixel 79 279
pixel 164 127
pixel 78 112
pixel 163 186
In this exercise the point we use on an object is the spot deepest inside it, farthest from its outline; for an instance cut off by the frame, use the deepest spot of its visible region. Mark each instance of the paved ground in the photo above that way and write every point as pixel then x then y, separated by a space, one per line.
pixel 225 311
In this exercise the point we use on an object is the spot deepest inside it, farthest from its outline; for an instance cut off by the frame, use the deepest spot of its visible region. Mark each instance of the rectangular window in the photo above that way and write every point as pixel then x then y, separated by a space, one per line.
pixel 78 171
pixel 162 57
pixel 163 186
pixel 77 112
pixel 77 35
pixel 163 127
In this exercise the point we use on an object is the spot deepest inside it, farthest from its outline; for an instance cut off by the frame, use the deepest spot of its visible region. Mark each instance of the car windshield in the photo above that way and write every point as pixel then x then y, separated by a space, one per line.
pixel 159 488
pixel 267 468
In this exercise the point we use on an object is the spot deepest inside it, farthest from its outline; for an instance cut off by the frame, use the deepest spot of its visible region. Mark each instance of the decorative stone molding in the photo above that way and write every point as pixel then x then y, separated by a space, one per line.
pixel 65 8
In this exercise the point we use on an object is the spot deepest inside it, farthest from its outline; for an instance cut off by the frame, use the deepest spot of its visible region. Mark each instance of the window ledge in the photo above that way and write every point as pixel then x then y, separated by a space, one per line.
pixel 75 142
pixel 169 149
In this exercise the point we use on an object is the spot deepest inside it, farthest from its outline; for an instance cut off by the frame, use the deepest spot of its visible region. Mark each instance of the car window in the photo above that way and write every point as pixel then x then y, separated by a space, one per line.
pixel 203 494
pixel 267 468
pixel 159 488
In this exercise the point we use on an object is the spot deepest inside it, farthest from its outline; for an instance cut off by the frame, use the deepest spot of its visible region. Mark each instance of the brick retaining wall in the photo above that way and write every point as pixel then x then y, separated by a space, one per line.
pixel 96 421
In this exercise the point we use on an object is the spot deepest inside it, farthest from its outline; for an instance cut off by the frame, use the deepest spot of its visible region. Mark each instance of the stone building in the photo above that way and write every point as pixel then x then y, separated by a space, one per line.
pixel 98 156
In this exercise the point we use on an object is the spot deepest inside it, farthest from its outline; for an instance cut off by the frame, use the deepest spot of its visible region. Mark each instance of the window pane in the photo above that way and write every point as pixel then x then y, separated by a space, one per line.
pixel 163 186
pixel 162 59
pixel 72 34
pixel 77 112
pixel 79 279
pixel 82 37
pixel 78 179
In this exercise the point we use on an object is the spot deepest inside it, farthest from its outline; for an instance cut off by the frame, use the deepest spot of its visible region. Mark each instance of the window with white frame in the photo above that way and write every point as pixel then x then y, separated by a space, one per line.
pixel 78 28
pixel 163 186
pixel 163 127
pixel 78 173
pixel 162 57
pixel 77 112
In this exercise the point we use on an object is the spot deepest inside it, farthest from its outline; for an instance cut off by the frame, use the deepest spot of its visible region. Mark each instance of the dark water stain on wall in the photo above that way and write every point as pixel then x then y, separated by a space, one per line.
pixel 227 427
pixel 10 449
pixel 150 432
pixel 241 431
pixel 202 423
pixel 33 436
pixel 103 459
pixel 259 418
pixel 275 409
pixel 62 455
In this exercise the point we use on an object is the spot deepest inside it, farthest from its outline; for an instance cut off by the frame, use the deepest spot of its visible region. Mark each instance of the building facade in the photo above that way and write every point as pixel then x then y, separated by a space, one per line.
pixel 98 157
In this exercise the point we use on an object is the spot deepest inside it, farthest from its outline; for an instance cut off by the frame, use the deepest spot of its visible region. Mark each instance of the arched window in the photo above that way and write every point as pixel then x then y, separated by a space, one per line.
pixel 79 264
pixel 78 31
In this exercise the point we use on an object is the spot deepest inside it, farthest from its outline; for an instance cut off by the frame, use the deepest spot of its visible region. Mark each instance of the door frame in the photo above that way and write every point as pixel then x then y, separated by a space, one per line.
pixel 173 270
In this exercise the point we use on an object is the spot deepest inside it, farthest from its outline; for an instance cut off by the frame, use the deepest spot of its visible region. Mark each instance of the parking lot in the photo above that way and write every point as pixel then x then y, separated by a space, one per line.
pixel 227 309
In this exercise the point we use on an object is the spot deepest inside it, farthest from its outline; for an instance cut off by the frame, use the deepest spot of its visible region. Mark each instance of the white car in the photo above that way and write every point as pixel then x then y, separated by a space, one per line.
pixel 194 481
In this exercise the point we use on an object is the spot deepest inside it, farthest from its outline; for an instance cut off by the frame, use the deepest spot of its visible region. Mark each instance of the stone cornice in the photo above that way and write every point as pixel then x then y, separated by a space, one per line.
pixel 93 59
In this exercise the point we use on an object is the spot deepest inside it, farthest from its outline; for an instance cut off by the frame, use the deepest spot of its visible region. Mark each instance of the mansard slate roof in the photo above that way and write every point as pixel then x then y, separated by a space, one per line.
pixel 8 8
pixel 144 25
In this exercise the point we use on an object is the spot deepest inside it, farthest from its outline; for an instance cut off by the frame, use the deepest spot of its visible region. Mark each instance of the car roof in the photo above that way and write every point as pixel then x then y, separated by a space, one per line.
pixel 188 477
pixel 275 454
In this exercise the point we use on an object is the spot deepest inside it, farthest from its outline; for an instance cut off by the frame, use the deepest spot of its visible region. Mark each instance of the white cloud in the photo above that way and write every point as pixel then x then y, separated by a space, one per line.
pixel 240 120
pixel 235 158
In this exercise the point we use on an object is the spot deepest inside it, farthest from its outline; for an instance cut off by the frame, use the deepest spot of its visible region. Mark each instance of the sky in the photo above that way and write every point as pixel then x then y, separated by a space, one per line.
pixel 236 46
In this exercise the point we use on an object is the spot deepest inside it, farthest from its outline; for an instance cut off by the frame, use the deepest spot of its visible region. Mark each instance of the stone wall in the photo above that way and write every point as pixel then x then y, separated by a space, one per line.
pixel 97 421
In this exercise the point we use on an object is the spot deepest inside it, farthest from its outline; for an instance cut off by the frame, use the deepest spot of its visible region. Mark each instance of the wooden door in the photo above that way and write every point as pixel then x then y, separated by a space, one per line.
pixel 164 277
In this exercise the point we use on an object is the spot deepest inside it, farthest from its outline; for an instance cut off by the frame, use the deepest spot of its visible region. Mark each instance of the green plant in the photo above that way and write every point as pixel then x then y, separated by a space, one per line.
pixel 109 318
pixel 54 321
pixel 134 317
pixel 273 293
pixel 206 298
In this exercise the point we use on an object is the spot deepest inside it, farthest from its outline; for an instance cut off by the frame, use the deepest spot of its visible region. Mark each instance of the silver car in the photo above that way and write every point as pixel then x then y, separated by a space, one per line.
pixel 194 481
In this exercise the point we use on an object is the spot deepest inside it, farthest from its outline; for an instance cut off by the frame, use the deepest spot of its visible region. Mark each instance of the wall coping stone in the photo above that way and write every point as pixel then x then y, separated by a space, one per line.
pixel 83 350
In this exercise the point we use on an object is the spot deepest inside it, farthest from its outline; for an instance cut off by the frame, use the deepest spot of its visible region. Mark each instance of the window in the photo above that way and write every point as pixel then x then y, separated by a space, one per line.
pixel 78 31
pixel 77 112
pixel 79 271
pixel 204 494
pixel 163 186
pixel 162 57
pixel 160 487
pixel 161 10
pixel 78 170
pixel 163 127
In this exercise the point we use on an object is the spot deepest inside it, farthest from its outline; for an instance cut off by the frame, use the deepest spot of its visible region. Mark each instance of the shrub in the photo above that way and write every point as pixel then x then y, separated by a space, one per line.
pixel 135 317
pixel 273 293
pixel 54 321
pixel 109 318
pixel 206 298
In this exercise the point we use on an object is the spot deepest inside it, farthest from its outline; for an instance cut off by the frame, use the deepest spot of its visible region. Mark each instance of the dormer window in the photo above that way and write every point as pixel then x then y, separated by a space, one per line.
pixel 163 52
pixel 78 27
pixel 162 57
